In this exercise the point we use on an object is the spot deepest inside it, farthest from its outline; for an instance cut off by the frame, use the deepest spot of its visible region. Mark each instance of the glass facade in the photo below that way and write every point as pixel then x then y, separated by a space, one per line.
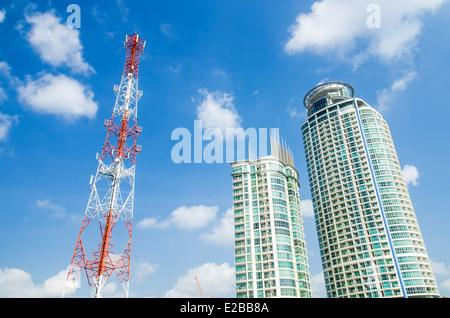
pixel 369 237
pixel 270 249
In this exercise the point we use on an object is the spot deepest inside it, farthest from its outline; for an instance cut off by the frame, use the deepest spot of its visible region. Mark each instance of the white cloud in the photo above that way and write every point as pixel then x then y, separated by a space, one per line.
pixel 330 26
pixel 5 72
pixel 152 223
pixel 168 30
pixel 442 275
pixel 2 15
pixel 411 175
pixel 294 112
pixel 219 72
pixel 183 217
pixel 58 211
pixel 110 290
pixel 340 27
pixel 58 95
pixel 3 95
pixel 215 280
pixel 193 217
pixel 143 269
pixel 6 123
pixel 55 43
pixel 175 69
pixel 217 110
pixel 6 80
pixel 18 283
pixel 223 233
pixel 386 95
pixel 124 11
pixel 307 208
pixel 318 286
pixel 440 269
pixel 401 83
pixel 444 287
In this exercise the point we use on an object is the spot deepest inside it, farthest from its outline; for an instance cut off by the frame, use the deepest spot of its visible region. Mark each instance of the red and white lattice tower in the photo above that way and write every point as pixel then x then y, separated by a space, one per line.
pixel 112 189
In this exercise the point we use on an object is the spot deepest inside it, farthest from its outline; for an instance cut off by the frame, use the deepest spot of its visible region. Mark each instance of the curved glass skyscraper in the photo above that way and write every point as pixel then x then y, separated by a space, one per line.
pixel 369 238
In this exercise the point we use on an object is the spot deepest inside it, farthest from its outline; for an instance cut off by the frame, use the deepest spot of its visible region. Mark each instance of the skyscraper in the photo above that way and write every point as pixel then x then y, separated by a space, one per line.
pixel 270 249
pixel 369 238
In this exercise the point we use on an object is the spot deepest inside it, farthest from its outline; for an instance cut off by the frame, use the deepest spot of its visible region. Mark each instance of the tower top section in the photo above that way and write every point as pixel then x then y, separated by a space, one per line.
pixel 327 94
pixel 134 46
pixel 280 150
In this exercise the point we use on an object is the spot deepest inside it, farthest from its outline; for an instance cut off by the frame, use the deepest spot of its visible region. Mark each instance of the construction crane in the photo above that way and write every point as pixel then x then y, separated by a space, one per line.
pixel 112 189
pixel 199 288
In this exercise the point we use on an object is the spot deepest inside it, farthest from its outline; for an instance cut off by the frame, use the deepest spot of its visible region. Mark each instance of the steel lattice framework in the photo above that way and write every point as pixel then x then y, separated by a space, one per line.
pixel 112 189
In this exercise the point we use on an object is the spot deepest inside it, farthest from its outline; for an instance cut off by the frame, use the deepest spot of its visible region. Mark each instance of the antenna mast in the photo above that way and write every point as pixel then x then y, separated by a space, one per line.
pixel 112 188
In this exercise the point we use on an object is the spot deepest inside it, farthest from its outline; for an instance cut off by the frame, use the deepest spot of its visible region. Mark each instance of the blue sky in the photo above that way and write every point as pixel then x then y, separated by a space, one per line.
pixel 230 63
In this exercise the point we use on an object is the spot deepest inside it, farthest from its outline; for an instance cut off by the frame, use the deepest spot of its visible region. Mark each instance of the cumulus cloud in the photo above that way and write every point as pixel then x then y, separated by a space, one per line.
pixel 386 95
pixel 220 230
pixel 193 217
pixel 217 110
pixel 294 112
pixel 6 80
pixel 360 30
pixel 318 286
pixel 440 269
pixel 55 43
pixel 18 283
pixel 223 232
pixel 143 269
pixel 6 123
pixel 341 27
pixel 307 208
pixel 2 15
pixel 152 223
pixel 3 95
pixel 215 280
pixel 183 217
pixel 442 274
pixel 411 174
pixel 5 72
pixel 57 211
pixel 58 95
pixel 444 287
pixel 328 27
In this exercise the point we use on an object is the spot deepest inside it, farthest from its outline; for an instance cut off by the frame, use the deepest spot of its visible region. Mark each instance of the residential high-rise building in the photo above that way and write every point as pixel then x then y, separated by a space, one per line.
pixel 270 249
pixel 369 238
